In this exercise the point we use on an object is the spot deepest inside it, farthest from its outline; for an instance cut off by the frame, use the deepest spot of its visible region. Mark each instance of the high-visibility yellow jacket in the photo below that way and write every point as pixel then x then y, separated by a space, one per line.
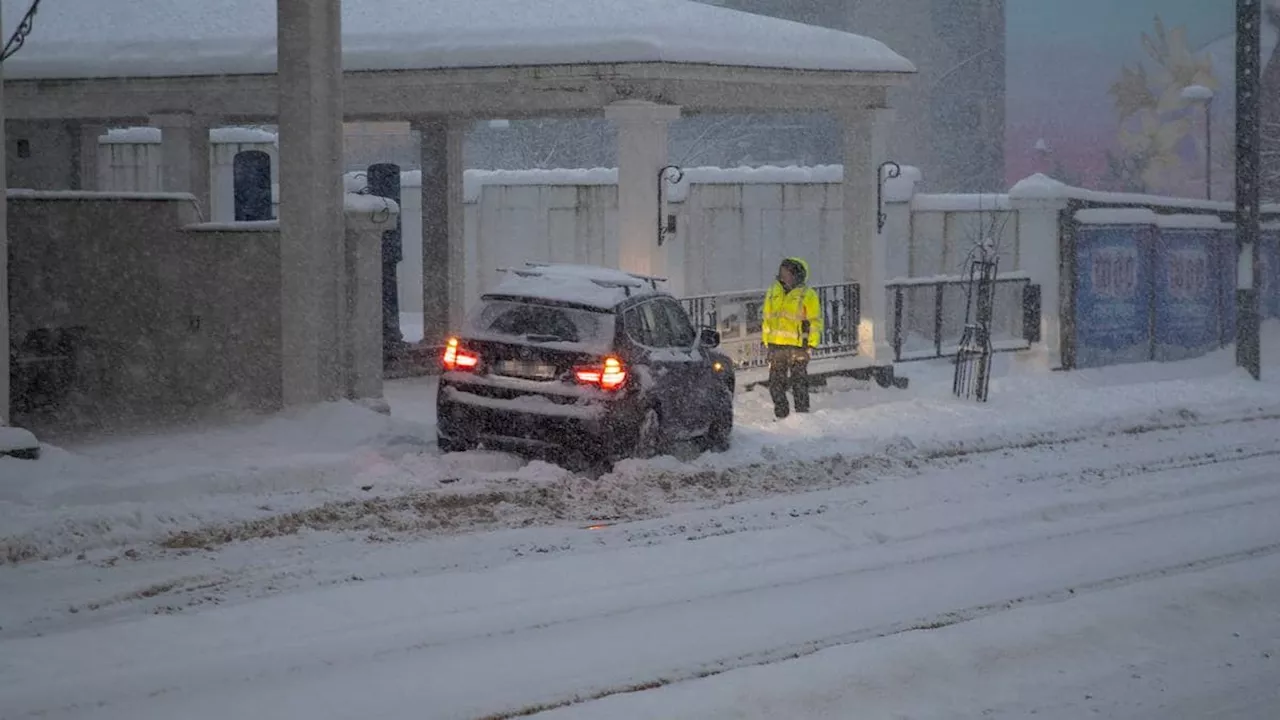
pixel 785 313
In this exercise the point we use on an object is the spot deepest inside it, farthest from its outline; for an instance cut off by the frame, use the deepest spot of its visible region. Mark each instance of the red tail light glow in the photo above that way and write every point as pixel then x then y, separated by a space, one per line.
pixel 457 358
pixel 609 376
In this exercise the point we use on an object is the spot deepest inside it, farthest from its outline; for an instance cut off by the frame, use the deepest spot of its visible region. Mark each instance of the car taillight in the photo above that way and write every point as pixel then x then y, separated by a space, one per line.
pixel 458 358
pixel 610 375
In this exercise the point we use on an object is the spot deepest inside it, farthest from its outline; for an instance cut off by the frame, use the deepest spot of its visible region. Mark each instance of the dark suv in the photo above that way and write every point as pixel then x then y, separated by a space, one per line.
pixel 583 361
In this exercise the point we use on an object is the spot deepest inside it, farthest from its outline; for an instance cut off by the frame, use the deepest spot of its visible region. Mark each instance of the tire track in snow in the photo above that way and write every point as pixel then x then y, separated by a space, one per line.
pixel 934 622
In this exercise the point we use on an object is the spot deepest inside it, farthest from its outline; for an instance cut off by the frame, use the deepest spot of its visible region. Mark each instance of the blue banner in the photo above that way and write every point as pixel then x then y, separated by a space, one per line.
pixel 1113 294
pixel 1187 293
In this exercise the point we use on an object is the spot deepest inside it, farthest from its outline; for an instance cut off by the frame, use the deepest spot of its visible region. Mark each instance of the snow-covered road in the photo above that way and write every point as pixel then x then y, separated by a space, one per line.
pixel 969 578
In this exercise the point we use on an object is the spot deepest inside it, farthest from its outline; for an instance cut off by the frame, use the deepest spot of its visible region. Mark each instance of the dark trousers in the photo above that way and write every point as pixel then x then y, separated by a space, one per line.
pixel 788 369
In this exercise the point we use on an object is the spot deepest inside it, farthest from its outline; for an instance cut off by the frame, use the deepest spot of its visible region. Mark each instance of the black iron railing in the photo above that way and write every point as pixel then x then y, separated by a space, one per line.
pixel 738 316
pixel 929 313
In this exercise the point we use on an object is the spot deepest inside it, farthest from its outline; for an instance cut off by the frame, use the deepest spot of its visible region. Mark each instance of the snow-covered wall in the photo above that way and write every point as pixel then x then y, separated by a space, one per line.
pixel 733 225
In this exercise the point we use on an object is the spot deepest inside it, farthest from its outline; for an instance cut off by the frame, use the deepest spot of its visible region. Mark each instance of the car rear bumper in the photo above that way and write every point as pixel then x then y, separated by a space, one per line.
pixel 531 423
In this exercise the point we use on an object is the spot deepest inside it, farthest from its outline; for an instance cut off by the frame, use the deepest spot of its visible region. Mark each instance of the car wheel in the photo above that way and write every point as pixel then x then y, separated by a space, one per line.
pixel 649 437
pixel 717 437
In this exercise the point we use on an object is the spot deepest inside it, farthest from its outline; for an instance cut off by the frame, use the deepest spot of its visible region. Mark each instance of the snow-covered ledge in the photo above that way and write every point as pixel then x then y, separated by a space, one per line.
pixel 1039 201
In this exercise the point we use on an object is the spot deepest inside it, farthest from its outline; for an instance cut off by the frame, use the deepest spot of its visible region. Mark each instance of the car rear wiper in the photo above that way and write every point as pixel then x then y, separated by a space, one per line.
pixel 543 338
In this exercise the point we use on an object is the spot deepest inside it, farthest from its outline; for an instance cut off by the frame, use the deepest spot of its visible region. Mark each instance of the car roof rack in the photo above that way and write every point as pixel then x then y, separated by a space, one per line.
pixel 604 277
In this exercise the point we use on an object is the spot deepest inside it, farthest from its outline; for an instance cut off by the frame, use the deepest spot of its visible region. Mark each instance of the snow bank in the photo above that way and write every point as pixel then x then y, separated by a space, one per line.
pixel 236 37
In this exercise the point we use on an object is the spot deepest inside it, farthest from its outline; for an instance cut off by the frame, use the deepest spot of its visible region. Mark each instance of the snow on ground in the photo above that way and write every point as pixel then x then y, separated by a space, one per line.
pixel 1197 646
pixel 344 467
pixel 1004 582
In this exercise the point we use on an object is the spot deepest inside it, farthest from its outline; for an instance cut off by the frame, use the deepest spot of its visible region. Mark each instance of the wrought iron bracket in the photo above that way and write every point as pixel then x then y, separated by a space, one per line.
pixel 895 171
pixel 670 174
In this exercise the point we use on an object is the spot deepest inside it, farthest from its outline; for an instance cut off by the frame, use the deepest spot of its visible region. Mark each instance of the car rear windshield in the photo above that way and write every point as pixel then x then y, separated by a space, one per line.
pixel 543 324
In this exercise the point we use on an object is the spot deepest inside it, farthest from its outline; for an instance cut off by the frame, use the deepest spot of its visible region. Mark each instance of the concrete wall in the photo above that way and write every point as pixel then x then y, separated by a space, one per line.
pixel 177 323
pixel 51 152
pixel 730 235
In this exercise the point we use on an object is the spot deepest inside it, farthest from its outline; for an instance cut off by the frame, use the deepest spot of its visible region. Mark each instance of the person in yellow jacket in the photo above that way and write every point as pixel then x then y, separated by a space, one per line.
pixel 792 329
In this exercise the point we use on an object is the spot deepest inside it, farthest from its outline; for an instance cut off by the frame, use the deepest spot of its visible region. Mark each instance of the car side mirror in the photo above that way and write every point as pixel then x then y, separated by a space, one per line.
pixel 708 337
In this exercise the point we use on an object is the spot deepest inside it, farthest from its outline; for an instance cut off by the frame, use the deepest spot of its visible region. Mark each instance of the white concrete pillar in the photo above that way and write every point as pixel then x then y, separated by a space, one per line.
pixel 443 249
pixel 1039 202
pixel 642 152
pixel 898 193
pixel 86 135
pixel 184 156
pixel 312 227
pixel 866 257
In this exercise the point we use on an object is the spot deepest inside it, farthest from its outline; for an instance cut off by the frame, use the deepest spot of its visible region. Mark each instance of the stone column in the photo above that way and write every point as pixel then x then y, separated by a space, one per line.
pixel 312 228
pixel 184 156
pixel 866 257
pixel 1039 202
pixel 642 152
pixel 443 250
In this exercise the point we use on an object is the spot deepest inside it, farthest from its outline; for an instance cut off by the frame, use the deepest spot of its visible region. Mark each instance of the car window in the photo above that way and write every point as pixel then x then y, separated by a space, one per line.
pixel 682 332
pixel 541 323
pixel 659 325
pixel 636 323
pixel 647 325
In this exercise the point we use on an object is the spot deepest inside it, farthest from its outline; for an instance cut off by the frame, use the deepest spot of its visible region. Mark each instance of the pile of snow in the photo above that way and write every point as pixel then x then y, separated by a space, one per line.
pixel 234 37
pixel 343 467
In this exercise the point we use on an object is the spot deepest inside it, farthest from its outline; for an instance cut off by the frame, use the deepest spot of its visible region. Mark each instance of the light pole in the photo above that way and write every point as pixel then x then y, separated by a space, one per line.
pixel 1201 95
pixel 1248 197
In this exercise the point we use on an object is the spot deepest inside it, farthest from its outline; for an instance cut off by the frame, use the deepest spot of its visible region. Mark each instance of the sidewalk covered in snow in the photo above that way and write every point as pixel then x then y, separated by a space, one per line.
pixel 192 65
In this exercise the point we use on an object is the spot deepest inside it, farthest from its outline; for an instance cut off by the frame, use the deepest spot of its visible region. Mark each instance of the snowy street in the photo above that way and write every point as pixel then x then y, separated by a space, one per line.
pixel 1129 572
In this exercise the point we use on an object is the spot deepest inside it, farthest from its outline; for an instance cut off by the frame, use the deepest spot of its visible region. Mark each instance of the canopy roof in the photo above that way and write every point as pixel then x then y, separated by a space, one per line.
pixel 167 38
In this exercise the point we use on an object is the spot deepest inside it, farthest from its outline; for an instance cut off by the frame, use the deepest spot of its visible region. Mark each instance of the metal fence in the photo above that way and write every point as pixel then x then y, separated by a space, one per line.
pixel 929 315
pixel 738 317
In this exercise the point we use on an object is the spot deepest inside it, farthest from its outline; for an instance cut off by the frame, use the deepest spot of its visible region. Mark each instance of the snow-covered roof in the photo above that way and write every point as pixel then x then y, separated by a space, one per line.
pixel 147 38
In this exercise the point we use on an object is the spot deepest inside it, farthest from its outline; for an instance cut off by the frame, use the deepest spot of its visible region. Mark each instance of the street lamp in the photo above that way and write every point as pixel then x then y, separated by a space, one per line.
pixel 1201 95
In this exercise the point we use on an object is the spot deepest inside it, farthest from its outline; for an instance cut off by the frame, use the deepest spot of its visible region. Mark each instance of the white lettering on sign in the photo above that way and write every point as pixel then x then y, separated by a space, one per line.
pixel 1114 272
pixel 1188 273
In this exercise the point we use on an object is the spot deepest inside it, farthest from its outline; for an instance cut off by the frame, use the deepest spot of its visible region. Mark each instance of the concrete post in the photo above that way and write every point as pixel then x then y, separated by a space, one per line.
pixel 4 262
pixel 184 156
pixel 642 152
pixel 1039 202
pixel 312 228
pixel 85 136
pixel 363 265
pixel 866 258
pixel 443 249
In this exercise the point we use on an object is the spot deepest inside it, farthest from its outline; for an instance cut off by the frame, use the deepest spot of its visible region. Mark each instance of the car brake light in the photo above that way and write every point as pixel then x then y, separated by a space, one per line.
pixel 611 375
pixel 457 358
